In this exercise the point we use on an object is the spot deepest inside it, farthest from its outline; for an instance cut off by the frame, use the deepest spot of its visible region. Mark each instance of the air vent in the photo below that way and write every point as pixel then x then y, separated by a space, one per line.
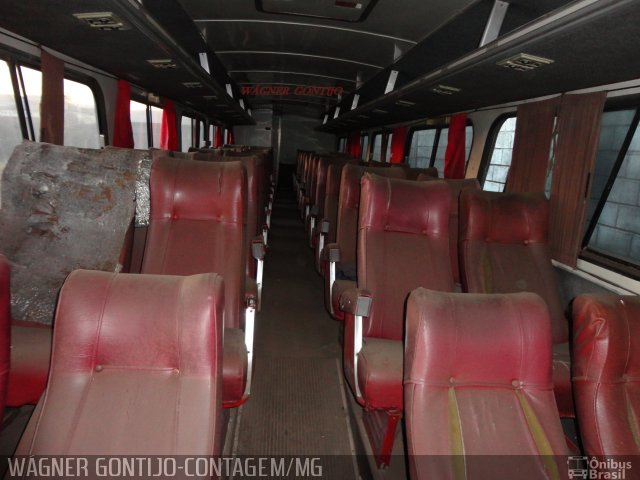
pixel 163 63
pixel 102 21
pixel 445 89
pixel 192 84
pixel 405 103
pixel 345 10
pixel 523 62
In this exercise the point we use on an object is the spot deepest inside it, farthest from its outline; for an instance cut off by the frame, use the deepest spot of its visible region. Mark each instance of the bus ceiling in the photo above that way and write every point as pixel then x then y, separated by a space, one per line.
pixel 348 64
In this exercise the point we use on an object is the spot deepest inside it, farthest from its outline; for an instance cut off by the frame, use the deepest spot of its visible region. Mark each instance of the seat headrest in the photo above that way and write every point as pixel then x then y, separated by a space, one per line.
pixel 606 338
pixel 350 181
pixel 503 217
pixel 396 205
pixel 196 190
pixel 130 321
pixel 478 339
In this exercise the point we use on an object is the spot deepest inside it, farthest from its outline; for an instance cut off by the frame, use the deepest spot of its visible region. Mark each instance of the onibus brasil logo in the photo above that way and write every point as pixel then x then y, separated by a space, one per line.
pixel 595 468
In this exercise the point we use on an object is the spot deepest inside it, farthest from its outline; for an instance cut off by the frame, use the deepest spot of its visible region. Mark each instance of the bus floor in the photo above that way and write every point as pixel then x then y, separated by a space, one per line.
pixel 298 405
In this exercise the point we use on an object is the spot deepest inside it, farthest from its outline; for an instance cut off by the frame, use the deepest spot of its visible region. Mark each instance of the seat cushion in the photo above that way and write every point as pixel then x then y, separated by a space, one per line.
pixel 562 379
pixel 30 356
pixel 380 373
pixel 234 367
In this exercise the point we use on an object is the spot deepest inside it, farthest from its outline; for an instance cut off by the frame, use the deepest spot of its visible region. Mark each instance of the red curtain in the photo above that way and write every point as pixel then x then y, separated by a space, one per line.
pixel 353 145
pixel 217 141
pixel 454 156
pixel 168 130
pixel 397 145
pixel 230 136
pixel 122 132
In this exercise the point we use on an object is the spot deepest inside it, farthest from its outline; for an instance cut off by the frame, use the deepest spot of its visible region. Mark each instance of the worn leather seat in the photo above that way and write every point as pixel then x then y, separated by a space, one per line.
pixel 403 243
pixel 340 257
pixel 477 388
pixel 321 190
pixel 198 225
pixel 5 326
pixel 504 249
pixel 456 186
pixel 135 368
pixel 606 373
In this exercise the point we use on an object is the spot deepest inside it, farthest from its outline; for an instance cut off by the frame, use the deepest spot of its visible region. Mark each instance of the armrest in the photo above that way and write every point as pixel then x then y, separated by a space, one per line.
pixel 252 301
pixel 258 249
pixel 331 253
pixel 250 293
pixel 322 229
pixel 314 211
pixel 356 302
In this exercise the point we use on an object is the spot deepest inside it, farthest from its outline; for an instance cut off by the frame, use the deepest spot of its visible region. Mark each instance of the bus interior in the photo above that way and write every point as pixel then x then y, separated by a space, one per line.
pixel 375 238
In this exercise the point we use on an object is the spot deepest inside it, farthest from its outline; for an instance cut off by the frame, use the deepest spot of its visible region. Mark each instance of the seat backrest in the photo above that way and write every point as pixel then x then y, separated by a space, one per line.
pixel 456 187
pixel 322 180
pixel 605 372
pixel 255 201
pixel 477 382
pixel 135 368
pixel 349 204
pixel 197 224
pixel 403 243
pixel 504 249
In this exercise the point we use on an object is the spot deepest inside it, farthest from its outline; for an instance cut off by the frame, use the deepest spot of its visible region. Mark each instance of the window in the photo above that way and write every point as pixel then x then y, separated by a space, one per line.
pixel 81 116
pixel 342 144
pixel 428 147
pixel 421 149
pixel 500 160
pixel 364 146
pixel 186 129
pixel 156 122
pixel 613 214
pixel 377 147
pixel 33 91
pixel 146 121
pixel 387 157
pixel 81 128
pixel 139 124
pixel 10 132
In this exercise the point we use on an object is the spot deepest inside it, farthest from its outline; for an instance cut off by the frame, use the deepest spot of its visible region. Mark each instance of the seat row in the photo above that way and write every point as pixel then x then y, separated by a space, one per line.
pixel 409 236
pixel 131 351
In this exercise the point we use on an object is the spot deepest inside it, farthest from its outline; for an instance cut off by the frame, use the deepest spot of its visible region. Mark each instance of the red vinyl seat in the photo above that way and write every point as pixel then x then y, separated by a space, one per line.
pixel 198 225
pixel 504 249
pixel 456 186
pixel 5 332
pixel 606 373
pixel 135 368
pixel 403 243
pixel 477 388
pixel 339 258
pixel 319 191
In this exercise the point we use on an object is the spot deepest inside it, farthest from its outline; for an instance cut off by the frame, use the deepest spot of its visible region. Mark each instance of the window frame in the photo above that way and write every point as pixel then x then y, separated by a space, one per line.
pixel 372 142
pixel 364 152
pixel 600 258
pixel 490 145
pixel 16 59
pixel 439 127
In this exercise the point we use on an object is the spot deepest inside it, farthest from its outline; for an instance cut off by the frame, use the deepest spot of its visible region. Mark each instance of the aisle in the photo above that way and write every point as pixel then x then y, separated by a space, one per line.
pixel 297 405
